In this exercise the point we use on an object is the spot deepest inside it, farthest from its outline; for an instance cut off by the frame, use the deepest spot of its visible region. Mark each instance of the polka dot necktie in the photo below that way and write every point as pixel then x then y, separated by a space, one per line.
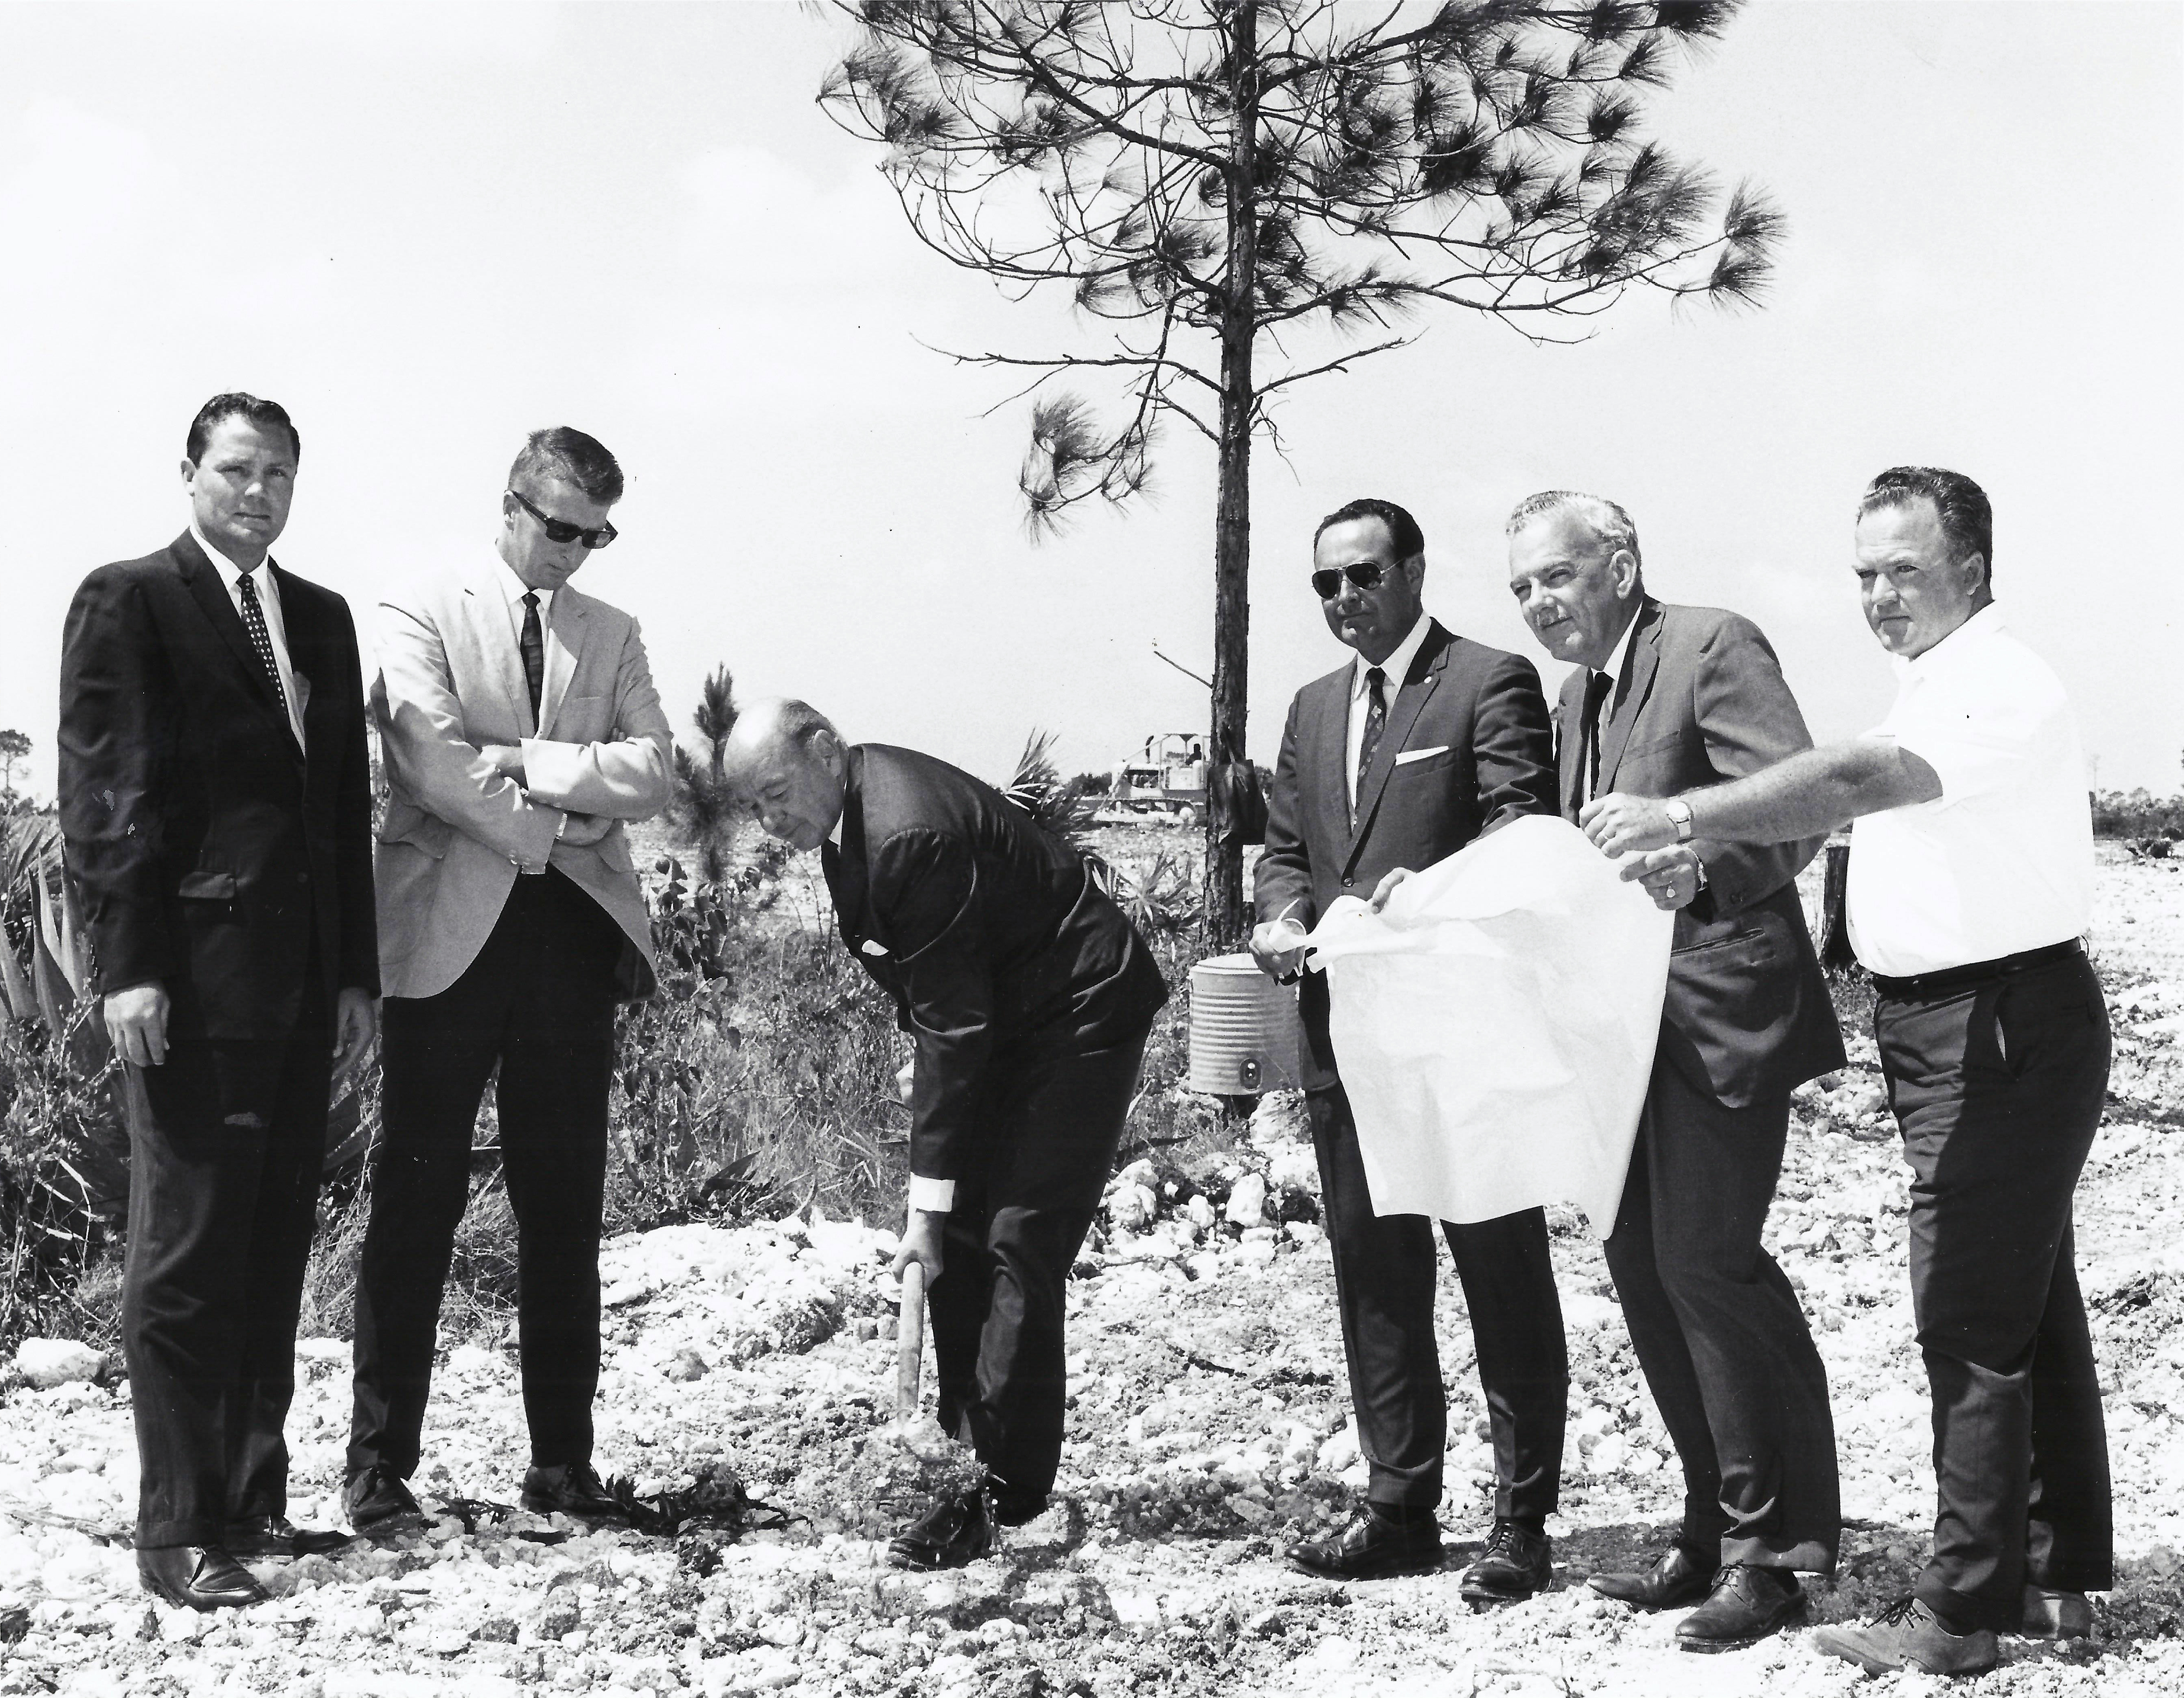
pixel 254 621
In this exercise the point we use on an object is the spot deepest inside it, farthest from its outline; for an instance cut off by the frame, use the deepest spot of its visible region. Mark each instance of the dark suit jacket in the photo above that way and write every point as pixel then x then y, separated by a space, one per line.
pixel 1479 709
pixel 210 852
pixel 991 937
pixel 1747 1016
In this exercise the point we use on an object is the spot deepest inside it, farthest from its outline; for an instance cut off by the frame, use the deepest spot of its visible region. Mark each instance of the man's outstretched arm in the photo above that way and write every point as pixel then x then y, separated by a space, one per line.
pixel 1807 796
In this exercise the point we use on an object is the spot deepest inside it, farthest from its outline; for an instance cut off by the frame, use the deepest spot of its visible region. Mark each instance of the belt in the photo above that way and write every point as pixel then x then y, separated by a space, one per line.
pixel 1974 972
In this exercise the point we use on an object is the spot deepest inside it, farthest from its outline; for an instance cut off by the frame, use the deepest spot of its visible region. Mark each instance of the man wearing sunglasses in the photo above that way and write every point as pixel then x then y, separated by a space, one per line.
pixel 520 730
pixel 1422 743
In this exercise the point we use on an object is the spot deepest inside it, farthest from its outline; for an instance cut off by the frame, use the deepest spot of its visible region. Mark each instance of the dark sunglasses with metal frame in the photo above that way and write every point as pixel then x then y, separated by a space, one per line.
pixel 562 531
pixel 1327 582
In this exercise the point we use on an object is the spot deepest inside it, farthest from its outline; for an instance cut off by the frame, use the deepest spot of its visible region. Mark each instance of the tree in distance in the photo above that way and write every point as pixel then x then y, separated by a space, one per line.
pixel 1241 195
pixel 15 750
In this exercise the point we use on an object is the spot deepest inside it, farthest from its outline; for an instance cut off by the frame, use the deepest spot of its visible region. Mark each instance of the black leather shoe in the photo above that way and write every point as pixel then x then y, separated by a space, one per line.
pixel 379 1504
pixel 196 1577
pixel 1681 1576
pixel 1372 1547
pixel 262 1537
pixel 1516 1563
pixel 569 1489
pixel 956 1530
pixel 1747 1605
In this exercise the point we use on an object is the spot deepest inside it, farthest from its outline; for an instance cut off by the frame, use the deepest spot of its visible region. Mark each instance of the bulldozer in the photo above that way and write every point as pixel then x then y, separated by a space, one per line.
pixel 1166 778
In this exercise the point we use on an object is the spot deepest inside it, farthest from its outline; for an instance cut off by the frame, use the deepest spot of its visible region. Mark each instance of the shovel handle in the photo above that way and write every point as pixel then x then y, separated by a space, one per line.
pixel 910 1342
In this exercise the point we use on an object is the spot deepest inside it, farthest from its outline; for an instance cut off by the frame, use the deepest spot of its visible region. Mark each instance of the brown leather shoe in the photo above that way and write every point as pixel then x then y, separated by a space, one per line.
pixel 570 1489
pixel 196 1577
pixel 1372 1547
pixel 1516 1563
pixel 262 1538
pixel 2056 1615
pixel 1907 1635
pixel 1748 1604
pixel 956 1528
pixel 1681 1576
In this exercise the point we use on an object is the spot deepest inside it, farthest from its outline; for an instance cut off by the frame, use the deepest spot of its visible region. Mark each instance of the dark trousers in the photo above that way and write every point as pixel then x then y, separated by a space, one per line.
pixel 225 1144
pixel 1047 1128
pixel 1999 1087
pixel 1724 1345
pixel 539 1000
pixel 1386 1271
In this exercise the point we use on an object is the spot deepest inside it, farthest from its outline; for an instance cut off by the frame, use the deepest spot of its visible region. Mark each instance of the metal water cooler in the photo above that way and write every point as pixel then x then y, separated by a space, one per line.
pixel 1245 1037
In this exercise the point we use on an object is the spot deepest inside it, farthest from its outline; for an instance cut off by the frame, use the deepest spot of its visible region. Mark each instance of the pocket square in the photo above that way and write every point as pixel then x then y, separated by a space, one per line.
pixel 1411 754
pixel 872 946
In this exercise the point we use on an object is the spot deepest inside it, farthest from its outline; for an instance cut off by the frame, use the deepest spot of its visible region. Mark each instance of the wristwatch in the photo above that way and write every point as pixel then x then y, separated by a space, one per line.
pixel 1680 815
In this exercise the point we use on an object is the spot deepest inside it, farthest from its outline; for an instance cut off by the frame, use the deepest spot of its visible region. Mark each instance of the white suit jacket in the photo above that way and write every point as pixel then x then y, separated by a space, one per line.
pixel 457 833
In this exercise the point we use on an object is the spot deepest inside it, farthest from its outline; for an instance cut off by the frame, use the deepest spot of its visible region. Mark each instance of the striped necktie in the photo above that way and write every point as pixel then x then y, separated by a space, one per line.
pixel 534 651
pixel 1376 721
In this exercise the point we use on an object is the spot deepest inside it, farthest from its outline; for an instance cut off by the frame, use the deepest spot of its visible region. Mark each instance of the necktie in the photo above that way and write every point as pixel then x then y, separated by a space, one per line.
pixel 254 621
pixel 534 651
pixel 1596 688
pixel 1376 721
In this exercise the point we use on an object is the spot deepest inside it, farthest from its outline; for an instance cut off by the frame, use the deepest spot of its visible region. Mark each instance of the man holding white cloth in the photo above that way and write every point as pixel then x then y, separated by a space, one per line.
pixel 1970 887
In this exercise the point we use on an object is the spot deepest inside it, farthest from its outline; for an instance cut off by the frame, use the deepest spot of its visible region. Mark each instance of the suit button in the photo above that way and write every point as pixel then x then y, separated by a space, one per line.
pixel 1347 882
pixel 303 878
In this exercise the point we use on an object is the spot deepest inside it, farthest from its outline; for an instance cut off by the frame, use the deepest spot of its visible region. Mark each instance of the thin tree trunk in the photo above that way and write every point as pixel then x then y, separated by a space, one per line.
pixel 1225 927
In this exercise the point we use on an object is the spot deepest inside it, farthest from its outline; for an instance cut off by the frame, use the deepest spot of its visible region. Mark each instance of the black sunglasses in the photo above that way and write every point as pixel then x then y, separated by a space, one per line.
pixel 562 531
pixel 1327 582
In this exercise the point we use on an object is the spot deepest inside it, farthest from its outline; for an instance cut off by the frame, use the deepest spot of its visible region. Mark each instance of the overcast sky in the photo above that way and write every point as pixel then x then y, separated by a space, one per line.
pixel 428 230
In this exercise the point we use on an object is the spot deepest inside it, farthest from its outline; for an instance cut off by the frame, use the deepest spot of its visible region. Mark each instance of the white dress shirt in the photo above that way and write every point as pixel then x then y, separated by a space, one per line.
pixel 269 604
pixel 1396 667
pixel 2002 860
pixel 516 589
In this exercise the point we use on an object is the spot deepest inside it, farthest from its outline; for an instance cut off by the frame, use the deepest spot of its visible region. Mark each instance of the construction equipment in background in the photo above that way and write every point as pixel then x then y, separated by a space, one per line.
pixel 1166 778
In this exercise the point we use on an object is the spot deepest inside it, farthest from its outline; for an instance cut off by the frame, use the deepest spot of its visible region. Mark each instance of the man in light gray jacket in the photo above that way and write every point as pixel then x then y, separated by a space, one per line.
pixel 520 730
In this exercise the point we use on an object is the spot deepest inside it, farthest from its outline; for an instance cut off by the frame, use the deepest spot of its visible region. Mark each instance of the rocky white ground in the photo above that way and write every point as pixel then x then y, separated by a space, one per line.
pixel 1208 1428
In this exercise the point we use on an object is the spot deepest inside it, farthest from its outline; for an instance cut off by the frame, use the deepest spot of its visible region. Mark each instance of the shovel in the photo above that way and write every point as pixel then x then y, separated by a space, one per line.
pixel 909 1345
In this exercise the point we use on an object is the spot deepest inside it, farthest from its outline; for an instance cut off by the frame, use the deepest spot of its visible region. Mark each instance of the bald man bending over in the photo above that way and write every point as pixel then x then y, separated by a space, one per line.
pixel 1029 996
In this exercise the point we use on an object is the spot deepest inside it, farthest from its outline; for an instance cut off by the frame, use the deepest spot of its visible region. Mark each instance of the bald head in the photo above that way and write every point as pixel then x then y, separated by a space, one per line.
pixel 785 759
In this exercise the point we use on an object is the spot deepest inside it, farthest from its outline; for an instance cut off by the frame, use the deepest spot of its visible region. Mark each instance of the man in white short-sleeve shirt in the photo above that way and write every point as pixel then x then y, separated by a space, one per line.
pixel 2002 860
pixel 1970 889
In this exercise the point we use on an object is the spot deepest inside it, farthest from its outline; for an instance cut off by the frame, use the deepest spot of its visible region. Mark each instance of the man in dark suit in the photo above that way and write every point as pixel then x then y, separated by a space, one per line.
pixel 1663 699
pixel 1029 995
pixel 1423 743
pixel 520 730
pixel 216 802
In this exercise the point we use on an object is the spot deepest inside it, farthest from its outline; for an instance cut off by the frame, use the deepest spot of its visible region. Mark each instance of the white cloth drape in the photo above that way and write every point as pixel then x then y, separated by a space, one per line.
pixel 1495 1026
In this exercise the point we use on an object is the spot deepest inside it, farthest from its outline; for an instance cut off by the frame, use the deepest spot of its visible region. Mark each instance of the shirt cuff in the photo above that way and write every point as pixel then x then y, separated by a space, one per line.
pixel 551 770
pixel 932 1196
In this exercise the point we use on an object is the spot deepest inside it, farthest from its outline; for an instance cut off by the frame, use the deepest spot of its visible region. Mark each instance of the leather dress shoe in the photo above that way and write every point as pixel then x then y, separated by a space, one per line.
pixel 1517 1562
pixel 379 1504
pixel 1748 1604
pixel 259 1537
pixel 1681 1576
pixel 1908 1635
pixel 570 1489
pixel 196 1577
pixel 1372 1546
pixel 956 1528
pixel 2056 1615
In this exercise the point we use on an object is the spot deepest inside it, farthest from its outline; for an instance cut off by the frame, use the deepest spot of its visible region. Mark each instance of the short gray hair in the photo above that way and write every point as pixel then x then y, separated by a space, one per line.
pixel 774 722
pixel 1602 516
pixel 798 722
